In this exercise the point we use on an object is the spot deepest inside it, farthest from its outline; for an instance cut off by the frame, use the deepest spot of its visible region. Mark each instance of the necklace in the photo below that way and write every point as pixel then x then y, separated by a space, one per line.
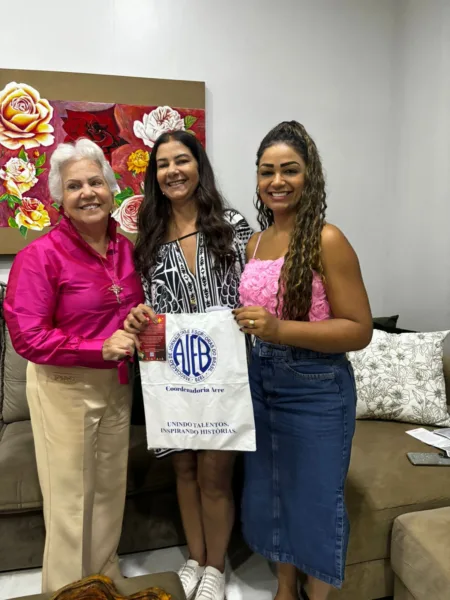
pixel 115 288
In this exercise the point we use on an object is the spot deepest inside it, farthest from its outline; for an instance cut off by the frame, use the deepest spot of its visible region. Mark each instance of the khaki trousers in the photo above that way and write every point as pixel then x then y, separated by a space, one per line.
pixel 80 420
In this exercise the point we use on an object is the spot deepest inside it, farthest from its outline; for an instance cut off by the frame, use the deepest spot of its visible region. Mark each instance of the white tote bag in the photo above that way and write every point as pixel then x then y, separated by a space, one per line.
pixel 199 397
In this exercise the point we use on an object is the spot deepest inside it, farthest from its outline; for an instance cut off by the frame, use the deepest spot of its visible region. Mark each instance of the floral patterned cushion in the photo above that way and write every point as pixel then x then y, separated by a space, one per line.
pixel 401 378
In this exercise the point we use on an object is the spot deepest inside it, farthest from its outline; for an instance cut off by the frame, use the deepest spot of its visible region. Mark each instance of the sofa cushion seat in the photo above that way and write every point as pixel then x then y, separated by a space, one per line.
pixel 383 484
pixel 19 489
pixel 15 405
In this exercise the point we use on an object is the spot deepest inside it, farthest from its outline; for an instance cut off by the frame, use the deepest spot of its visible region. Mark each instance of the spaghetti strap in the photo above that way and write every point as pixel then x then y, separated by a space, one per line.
pixel 180 239
pixel 257 244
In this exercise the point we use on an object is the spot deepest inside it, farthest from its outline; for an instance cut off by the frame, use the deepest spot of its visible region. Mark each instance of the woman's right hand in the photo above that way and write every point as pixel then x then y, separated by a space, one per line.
pixel 120 345
pixel 139 318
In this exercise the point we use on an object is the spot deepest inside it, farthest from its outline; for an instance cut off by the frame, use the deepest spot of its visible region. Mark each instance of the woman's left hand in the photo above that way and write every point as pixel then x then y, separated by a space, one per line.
pixel 256 320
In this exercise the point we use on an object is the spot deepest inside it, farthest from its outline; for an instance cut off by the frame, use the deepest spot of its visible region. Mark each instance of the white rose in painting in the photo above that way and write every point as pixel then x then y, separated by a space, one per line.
pixel 19 176
pixel 127 213
pixel 161 120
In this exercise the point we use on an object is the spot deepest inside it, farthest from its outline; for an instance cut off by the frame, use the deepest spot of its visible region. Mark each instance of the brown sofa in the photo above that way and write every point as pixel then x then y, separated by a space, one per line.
pixel 420 555
pixel 382 484
pixel 151 513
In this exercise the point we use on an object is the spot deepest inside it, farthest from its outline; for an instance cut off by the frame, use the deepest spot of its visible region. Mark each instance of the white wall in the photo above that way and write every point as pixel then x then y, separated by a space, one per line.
pixel 323 62
pixel 417 278
pixel 5 263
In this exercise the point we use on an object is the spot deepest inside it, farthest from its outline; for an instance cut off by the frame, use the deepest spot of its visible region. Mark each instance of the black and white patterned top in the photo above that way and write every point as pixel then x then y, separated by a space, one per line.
pixel 170 287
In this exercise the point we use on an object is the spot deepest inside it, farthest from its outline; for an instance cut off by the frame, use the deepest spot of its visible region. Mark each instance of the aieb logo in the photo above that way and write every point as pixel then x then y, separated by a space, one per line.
pixel 192 355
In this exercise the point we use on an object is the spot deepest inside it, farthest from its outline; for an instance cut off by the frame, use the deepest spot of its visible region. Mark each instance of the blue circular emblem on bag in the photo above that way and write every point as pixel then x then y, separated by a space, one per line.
pixel 192 354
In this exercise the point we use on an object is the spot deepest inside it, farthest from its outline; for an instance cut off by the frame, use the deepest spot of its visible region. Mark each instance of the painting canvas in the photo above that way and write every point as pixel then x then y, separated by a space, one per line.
pixel 33 124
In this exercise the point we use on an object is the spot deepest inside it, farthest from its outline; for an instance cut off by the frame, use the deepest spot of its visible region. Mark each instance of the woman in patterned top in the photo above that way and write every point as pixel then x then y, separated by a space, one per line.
pixel 190 253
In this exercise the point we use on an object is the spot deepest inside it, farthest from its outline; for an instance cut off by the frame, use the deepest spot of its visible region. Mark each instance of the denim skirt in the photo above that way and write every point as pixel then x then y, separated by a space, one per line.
pixel 293 503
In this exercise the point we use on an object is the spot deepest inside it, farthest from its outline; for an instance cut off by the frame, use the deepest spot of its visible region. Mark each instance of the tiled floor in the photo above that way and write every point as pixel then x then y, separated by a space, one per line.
pixel 253 580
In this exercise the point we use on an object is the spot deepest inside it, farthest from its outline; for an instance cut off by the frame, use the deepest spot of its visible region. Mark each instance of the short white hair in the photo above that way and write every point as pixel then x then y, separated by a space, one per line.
pixel 82 148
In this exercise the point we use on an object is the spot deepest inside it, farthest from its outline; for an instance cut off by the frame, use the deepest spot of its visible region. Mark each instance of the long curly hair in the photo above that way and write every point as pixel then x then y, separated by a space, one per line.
pixel 156 210
pixel 304 252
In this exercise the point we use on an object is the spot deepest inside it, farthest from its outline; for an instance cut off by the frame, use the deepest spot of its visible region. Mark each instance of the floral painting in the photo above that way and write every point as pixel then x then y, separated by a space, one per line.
pixel 31 127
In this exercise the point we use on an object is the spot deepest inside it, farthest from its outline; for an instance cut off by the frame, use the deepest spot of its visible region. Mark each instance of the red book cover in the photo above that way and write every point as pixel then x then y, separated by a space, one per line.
pixel 153 341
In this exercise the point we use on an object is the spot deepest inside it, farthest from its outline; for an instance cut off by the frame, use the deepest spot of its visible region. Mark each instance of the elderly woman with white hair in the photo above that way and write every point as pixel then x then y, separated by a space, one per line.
pixel 67 297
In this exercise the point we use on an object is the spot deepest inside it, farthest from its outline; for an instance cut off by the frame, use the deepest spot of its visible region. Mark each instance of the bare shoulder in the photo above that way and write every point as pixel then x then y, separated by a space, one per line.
pixel 252 245
pixel 335 246
pixel 332 236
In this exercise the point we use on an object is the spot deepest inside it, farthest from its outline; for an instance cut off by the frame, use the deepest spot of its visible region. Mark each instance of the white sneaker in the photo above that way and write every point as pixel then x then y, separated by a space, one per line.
pixel 212 585
pixel 190 575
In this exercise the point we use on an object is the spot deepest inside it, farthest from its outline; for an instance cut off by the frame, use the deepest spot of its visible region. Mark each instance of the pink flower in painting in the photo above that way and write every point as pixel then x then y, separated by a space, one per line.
pixel 24 117
pixel 161 120
pixel 127 213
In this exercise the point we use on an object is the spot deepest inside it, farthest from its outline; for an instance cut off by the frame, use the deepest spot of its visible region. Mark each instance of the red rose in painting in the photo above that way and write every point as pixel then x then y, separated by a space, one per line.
pixel 99 126
pixel 127 213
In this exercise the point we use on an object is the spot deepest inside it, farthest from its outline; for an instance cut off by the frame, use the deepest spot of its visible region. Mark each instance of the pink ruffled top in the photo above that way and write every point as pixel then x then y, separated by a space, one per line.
pixel 259 287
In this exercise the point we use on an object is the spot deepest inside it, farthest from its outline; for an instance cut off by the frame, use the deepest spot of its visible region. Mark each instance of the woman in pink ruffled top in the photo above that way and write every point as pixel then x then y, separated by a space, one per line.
pixel 304 301
pixel 68 294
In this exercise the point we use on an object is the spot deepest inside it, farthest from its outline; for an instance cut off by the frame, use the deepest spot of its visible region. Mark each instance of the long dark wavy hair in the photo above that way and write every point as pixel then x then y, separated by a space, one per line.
pixel 304 252
pixel 156 210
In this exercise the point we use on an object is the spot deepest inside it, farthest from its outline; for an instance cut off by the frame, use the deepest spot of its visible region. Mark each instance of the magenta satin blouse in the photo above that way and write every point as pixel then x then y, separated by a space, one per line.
pixel 58 307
